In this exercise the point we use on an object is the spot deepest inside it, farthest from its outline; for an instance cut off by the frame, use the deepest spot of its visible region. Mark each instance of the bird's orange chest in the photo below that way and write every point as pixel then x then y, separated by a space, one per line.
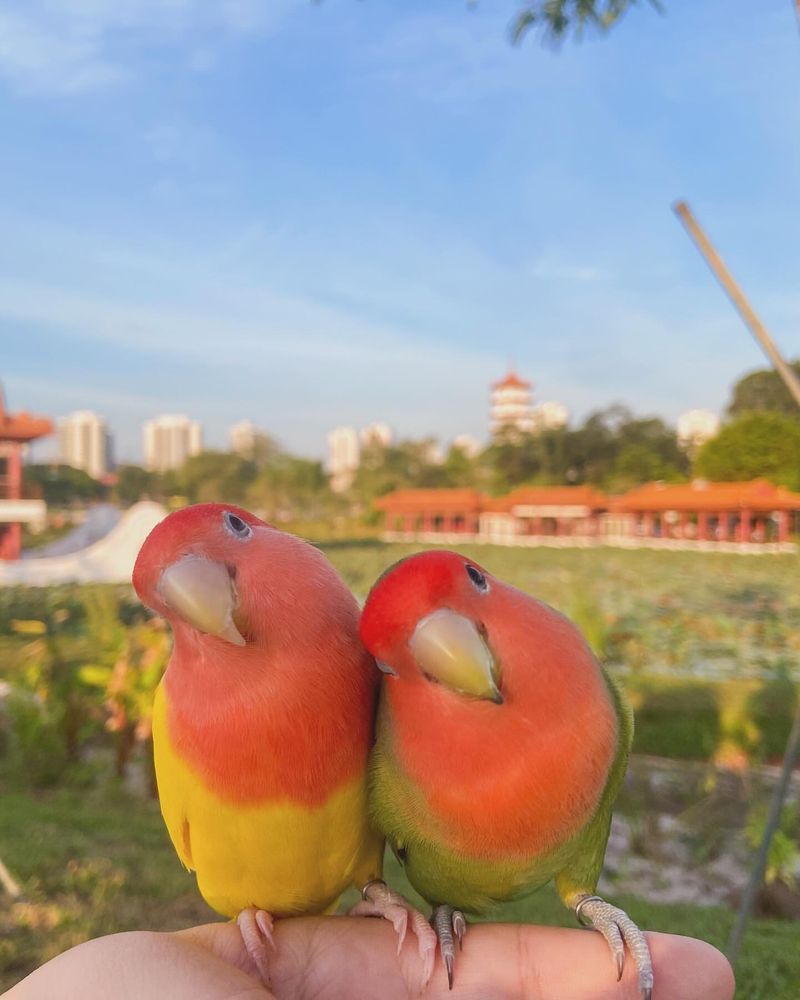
pixel 249 744
pixel 518 778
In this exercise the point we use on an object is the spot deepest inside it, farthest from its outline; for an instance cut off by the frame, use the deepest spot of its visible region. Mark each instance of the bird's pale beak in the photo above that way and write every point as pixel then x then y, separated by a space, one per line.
pixel 203 594
pixel 449 648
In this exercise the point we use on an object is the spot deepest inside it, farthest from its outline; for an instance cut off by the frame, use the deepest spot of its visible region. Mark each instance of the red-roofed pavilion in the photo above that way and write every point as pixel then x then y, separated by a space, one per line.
pixel 754 516
pixel 412 512
pixel 756 511
pixel 16 431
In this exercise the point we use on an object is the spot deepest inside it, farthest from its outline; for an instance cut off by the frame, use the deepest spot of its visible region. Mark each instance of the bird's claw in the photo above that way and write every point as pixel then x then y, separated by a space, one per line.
pixel 619 930
pixel 256 928
pixel 446 921
pixel 378 900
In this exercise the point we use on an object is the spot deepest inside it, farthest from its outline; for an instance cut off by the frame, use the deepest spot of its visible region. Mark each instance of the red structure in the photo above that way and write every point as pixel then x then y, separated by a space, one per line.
pixel 511 381
pixel 547 511
pixel 700 514
pixel 757 511
pixel 15 432
pixel 412 512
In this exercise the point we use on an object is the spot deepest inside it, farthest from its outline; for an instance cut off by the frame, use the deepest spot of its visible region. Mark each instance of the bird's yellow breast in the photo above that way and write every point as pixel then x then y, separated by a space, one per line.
pixel 283 857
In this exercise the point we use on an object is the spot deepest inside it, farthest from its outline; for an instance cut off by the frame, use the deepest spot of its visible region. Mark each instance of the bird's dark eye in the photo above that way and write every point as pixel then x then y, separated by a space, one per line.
pixel 237 527
pixel 477 577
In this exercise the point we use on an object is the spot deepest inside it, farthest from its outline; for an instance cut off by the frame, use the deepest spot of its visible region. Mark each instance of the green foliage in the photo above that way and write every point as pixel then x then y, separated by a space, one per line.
pixel 32 751
pixel 612 448
pixel 273 483
pixel 783 860
pixel 60 485
pixel 288 488
pixel 637 463
pixel 125 665
pixel 77 670
pixel 755 444
pixel 215 476
pixel 134 484
pixel 763 391
pixel 559 18
pixel 90 861
pixel 407 464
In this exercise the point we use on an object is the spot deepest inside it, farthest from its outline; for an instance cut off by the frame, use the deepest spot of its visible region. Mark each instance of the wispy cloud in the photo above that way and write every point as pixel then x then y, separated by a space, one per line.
pixel 551 269
pixel 38 57
pixel 455 60
pixel 249 323
pixel 49 47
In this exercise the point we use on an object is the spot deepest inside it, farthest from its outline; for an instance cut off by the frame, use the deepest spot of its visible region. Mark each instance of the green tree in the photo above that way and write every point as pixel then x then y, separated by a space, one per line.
pixel 459 468
pixel 559 18
pixel 135 483
pixel 60 485
pixel 288 488
pixel 406 464
pixel 636 464
pixel 512 459
pixel 756 444
pixel 215 476
pixel 613 448
pixel 763 390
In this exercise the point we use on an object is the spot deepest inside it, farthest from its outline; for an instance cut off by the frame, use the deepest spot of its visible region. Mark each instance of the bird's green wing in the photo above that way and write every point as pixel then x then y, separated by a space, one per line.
pixel 579 877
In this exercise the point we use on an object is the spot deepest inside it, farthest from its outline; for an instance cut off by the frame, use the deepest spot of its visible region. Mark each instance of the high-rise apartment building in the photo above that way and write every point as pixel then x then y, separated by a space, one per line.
pixel 344 454
pixel 695 427
pixel 84 443
pixel 549 416
pixel 169 440
pixel 244 437
pixel 468 444
pixel 376 434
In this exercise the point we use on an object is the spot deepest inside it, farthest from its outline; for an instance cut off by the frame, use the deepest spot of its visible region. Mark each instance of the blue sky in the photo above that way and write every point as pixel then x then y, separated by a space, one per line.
pixel 319 214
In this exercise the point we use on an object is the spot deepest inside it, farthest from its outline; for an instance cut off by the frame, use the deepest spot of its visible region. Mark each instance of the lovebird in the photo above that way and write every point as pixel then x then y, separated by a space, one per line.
pixel 263 722
pixel 501 745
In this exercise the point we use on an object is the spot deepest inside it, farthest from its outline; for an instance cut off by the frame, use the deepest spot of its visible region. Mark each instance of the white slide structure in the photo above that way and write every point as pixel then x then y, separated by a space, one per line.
pixel 108 560
pixel 100 519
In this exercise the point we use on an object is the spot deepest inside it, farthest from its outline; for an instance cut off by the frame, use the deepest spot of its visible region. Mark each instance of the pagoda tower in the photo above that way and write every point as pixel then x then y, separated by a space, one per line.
pixel 511 405
pixel 16 431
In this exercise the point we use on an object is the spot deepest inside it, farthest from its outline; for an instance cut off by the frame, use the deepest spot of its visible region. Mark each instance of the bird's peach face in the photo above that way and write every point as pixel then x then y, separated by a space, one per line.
pixel 425 616
pixel 188 569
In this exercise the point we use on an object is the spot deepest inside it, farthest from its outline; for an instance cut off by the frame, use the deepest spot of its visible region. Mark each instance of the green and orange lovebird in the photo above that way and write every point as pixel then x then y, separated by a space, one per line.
pixel 263 721
pixel 501 745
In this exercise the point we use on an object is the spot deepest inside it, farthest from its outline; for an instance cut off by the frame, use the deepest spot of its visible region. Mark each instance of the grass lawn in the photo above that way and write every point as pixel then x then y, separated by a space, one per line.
pixel 92 862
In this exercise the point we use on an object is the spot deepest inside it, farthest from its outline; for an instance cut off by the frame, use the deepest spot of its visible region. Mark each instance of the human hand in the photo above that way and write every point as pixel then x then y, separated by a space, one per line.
pixel 333 958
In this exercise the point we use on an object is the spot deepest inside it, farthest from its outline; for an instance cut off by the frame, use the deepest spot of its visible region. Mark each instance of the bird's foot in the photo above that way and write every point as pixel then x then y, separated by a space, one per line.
pixel 378 900
pixel 618 929
pixel 447 921
pixel 256 927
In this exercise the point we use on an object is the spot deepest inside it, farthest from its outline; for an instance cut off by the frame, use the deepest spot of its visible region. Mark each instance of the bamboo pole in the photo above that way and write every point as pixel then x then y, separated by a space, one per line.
pixel 792 383
pixel 773 821
pixel 736 295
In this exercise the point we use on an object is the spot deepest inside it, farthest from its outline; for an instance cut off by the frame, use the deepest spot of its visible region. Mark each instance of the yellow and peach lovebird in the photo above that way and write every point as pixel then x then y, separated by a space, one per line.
pixel 263 724
pixel 501 745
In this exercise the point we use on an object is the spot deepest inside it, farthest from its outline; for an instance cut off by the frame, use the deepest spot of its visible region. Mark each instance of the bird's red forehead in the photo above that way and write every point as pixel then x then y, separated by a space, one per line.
pixel 408 591
pixel 200 527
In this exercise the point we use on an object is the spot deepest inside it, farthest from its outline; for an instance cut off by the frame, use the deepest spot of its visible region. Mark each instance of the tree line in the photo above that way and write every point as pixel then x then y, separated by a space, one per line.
pixel 612 449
